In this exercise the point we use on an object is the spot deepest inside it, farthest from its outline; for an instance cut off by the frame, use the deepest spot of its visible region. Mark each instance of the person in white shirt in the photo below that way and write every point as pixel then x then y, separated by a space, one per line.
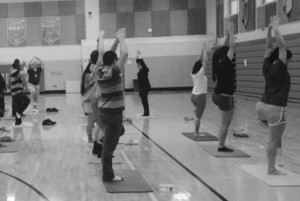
pixel 198 97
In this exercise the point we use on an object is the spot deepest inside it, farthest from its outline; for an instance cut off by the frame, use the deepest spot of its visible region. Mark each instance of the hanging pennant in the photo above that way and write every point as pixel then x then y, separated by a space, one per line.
pixel 50 29
pixel 245 18
pixel 287 7
pixel 16 31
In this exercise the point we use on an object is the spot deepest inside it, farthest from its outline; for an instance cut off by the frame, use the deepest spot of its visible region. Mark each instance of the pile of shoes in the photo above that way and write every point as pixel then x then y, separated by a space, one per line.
pixel 6 139
pixel 51 109
pixel 48 122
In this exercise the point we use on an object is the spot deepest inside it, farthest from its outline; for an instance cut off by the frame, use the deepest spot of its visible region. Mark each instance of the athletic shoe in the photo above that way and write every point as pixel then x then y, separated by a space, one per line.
pixel 18 121
pixel 48 122
pixel 225 149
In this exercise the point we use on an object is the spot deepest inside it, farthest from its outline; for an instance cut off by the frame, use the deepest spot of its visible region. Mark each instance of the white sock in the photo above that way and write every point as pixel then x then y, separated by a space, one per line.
pixel 18 115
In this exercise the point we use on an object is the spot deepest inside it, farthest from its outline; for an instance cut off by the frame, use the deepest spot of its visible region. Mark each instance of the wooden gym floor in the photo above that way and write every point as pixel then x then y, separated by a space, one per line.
pixel 52 161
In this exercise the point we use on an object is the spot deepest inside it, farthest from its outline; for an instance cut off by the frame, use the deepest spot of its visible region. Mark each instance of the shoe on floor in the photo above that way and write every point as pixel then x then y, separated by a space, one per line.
pixel 48 122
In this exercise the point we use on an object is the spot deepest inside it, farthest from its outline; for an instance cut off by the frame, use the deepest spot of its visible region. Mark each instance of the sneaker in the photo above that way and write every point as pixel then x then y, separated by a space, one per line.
pixel 54 109
pixel 48 122
pixel 96 147
pixel 225 149
pixel 18 121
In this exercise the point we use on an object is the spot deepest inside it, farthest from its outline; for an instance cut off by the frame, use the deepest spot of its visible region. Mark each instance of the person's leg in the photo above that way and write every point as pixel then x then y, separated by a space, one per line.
pixel 13 106
pixel 144 99
pixel 112 124
pixel 226 117
pixel 90 126
pixel 200 102
pixel 32 92
pixel 36 95
pixel 275 133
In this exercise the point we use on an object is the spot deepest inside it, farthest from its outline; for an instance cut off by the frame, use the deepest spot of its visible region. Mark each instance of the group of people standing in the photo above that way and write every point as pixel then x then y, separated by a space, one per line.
pixel 271 108
pixel 22 76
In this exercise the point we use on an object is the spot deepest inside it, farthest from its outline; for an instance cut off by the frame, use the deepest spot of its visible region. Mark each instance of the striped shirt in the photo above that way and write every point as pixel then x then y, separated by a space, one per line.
pixel 110 84
pixel 16 81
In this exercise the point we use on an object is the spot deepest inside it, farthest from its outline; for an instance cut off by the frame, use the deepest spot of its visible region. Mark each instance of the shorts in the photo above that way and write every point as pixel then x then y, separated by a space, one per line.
pixel 224 102
pixel 199 102
pixel 274 115
pixel 87 107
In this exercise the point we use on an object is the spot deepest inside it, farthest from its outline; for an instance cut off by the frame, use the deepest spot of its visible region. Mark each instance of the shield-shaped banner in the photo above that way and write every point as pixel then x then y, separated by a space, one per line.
pixel 245 18
pixel 287 7
pixel 50 29
pixel 16 30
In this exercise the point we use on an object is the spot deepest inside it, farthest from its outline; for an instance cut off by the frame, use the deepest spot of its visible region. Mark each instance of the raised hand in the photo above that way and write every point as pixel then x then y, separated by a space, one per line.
pixel 121 34
pixel 274 21
pixel 138 52
pixel 101 34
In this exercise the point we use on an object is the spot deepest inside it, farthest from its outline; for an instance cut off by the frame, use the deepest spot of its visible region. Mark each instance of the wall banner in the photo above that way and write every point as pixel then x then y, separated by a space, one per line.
pixel 50 29
pixel 16 30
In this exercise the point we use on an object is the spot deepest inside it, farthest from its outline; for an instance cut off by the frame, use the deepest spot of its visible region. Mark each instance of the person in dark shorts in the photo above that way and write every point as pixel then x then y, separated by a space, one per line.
pixel 17 79
pixel 199 91
pixel 225 74
pixel 271 108
pixel 143 82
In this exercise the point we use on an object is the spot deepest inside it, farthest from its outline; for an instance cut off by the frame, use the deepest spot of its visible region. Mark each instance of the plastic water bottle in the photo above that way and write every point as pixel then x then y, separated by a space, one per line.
pixel 166 187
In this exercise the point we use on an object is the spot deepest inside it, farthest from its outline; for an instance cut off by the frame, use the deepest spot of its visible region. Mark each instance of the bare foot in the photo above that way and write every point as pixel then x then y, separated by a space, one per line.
pixel 117 178
pixel 276 172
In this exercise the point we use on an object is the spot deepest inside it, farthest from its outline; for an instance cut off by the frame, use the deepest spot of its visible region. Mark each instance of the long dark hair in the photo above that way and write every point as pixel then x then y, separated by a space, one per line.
pixel 218 54
pixel 275 54
pixel 142 63
pixel 86 71
pixel 197 67
pixel 93 60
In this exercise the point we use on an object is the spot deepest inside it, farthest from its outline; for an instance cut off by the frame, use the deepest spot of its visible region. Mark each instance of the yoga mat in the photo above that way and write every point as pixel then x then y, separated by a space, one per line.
pixel 117 159
pixel 213 150
pixel 260 173
pixel 207 137
pixel 10 147
pixel 133 182
pixel 147 117
pixel 24 124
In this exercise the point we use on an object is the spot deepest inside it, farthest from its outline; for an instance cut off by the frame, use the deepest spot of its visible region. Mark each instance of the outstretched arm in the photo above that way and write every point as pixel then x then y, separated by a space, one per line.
pixel 115 44
pixel 269 43
pixel 123 48
pixel 280 40
pixel 231 50
pixel 41 62
pixel 100 48
pixel 226 42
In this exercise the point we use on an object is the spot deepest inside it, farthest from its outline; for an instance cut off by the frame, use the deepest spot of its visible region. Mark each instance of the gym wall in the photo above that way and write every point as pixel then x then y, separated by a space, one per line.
pixel 251 44
pixel 173 23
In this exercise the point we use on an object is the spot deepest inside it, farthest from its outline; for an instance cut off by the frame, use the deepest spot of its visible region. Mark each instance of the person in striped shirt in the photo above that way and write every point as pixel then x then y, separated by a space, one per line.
pixel 17 81
pixel 111 102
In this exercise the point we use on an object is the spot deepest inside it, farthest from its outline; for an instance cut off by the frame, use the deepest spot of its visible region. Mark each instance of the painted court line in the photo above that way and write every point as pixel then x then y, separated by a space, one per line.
pixel 183 166
pixel 151 195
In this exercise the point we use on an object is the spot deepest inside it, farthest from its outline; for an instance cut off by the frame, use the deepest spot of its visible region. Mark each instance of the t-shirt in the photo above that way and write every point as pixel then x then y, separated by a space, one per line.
pixel 143 81
pixel 226 77
pixel 110 84
pixel 34 75
pixel 200 82
pixel 16 81
pixel 278 83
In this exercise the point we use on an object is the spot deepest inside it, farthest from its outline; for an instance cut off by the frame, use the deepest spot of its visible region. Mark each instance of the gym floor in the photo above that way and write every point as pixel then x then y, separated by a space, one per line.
pixel 52 162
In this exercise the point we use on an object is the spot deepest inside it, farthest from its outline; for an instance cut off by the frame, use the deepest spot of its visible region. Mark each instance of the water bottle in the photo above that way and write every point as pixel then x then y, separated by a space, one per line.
pixel 166 187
